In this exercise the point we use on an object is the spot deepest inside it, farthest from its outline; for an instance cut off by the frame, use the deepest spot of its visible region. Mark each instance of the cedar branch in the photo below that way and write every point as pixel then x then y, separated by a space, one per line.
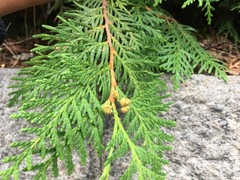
pixel 167 18
pixel 112 50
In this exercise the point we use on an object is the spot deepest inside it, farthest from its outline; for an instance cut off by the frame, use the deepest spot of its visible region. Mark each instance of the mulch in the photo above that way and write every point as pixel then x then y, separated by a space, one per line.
pixel 15 52
pixel 223 49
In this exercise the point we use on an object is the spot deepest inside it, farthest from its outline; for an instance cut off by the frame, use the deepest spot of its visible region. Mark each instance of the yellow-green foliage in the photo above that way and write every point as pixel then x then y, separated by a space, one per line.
pixel 103 56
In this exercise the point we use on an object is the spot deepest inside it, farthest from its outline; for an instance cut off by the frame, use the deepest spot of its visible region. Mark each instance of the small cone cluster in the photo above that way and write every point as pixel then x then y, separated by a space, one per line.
pixel 107 107
pixel 124 102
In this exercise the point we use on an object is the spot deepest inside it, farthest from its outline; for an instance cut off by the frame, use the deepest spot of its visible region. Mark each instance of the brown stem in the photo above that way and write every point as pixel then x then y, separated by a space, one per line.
pixel 112 51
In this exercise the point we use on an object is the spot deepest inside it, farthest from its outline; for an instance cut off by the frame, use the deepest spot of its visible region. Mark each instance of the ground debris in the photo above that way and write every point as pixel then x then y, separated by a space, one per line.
pixel 14 53
pixel 223 49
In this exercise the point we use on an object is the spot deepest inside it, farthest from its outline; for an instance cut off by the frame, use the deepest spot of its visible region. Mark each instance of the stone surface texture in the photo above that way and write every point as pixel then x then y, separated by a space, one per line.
pixel 207 136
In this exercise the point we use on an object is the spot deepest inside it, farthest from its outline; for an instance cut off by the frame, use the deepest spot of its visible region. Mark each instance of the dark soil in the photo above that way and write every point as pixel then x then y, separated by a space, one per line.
pixel 15 52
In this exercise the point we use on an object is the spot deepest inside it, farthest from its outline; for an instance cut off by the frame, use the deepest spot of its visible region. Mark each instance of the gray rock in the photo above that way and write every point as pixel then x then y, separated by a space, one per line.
pixel 207 136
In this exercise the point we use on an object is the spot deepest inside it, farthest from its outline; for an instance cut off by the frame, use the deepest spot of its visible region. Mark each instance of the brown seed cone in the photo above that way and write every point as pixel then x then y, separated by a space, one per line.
pixel 124 102
pixel 115 94
pixel 107 108
pixel 125 109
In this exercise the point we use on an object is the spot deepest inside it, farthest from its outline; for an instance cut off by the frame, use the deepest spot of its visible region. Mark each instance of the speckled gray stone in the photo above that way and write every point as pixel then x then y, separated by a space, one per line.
pixel 207 136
